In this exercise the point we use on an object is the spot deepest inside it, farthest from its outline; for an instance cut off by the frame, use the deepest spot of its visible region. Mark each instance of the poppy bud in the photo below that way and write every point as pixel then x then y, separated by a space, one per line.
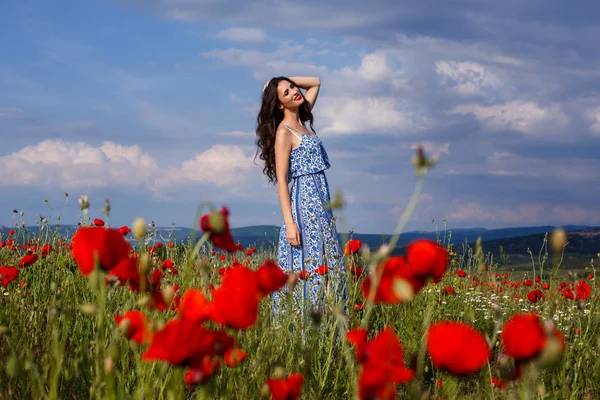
pixel 403 289
pixel 265 391
pixel 217 222
pixel 558 240
pixel 292 281
pixel 278 372
pixel 109 365
pixel 138 228
pixel 88 309
pixel 168 294
pixel 144 263
pixel 83 201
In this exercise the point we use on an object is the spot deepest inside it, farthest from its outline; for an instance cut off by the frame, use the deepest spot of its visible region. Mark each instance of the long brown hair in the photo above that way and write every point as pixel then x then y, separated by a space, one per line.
pixel 268 119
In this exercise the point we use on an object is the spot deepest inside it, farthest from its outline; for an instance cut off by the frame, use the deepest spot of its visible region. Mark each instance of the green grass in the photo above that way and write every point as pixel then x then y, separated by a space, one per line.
pixel 54 350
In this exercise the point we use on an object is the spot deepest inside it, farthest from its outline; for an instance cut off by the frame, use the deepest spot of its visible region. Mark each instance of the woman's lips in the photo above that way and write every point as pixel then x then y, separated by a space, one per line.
pixel 297 97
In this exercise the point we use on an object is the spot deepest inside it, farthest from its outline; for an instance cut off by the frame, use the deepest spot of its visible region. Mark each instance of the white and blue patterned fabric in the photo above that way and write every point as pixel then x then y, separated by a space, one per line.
pixel 309 192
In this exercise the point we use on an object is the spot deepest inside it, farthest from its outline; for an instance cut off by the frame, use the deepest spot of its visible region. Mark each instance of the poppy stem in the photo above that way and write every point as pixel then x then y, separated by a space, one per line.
pixel 191 257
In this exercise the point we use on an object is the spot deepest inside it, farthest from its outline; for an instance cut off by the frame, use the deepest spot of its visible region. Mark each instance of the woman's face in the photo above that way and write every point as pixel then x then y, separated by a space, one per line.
pixel 289 95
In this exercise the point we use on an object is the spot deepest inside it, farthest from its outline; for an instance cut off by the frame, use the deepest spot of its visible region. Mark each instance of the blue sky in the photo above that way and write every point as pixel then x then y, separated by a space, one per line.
pixel 152 104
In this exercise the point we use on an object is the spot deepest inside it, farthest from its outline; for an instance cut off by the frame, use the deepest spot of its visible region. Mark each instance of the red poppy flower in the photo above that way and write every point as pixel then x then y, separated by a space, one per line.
pixel 395 272
pixel 583 290
pixel 236 300
pixel 461 273
pixel 497 383
pixel 352 247
pixel 457 347
pixel 234 357
pixel 382 367
pixel 528 282
pixel 356 271
pixel 288 388
pixel 546 286
pixel 523 336
pixel 28 260
pixel 568 293
pixel 98 222
pixel 108 244
pixel 201 371
pixel 322 270
pixel 168 264
pixel 124 230
pixel 448 290
pixel 218 226
pixel 11 232
pixel 535 295
pixel 248 252
pixel 137 326
pixel 126 270
pixel 428 258
pixel 270 277
pixel 8 274
pixel 183 343
pixel 46 249
pixel 358 337
pixel 194 306
pixel 304 274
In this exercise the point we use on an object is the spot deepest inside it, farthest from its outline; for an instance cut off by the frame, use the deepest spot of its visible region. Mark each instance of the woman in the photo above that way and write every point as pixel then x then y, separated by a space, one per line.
pixel 296 160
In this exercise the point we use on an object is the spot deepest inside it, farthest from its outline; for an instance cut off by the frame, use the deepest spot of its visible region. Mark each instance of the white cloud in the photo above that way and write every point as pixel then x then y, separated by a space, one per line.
pixel 593 114
pixel 348 115
pixel 526 117
pixel 466 78
pixel 80 165
pixel 243 35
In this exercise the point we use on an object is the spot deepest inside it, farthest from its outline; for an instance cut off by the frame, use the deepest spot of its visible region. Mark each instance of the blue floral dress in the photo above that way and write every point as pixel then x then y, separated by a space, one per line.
pixel 309 192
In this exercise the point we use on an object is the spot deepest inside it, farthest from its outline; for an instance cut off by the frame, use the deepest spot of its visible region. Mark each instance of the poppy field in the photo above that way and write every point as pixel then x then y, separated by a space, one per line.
pixel 121 313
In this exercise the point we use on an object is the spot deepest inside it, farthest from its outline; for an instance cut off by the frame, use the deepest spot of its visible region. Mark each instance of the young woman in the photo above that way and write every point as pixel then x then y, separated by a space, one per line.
pixel 296 160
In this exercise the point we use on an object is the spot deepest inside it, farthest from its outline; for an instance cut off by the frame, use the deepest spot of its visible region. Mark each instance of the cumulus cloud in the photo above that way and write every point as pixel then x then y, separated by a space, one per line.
pixel 593 114
pixel 523 116
pixel 78 164
pixel 350 115
pixel 466 78
pixel 242 34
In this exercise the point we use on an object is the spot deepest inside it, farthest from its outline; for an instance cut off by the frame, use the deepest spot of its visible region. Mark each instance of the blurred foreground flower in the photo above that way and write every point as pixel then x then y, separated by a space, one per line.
pixel 217 225
pixel 382 363
pixel 457 347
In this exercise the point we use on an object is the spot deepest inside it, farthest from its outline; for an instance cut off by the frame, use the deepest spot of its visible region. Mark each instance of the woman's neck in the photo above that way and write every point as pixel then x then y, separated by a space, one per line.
pixel 292 118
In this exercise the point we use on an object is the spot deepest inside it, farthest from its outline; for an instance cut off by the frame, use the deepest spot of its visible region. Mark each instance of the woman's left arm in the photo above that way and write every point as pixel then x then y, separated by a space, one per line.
pixel 311 85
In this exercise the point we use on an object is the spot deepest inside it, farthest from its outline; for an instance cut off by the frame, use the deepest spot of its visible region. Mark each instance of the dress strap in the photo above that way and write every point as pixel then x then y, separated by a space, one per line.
pixel 293 131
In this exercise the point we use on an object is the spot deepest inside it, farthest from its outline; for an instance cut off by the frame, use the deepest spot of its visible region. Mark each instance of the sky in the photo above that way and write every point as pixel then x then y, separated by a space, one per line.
pixel 152 104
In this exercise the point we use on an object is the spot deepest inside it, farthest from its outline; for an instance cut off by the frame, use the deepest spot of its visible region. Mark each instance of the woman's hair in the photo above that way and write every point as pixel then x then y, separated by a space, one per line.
pixel 268 119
